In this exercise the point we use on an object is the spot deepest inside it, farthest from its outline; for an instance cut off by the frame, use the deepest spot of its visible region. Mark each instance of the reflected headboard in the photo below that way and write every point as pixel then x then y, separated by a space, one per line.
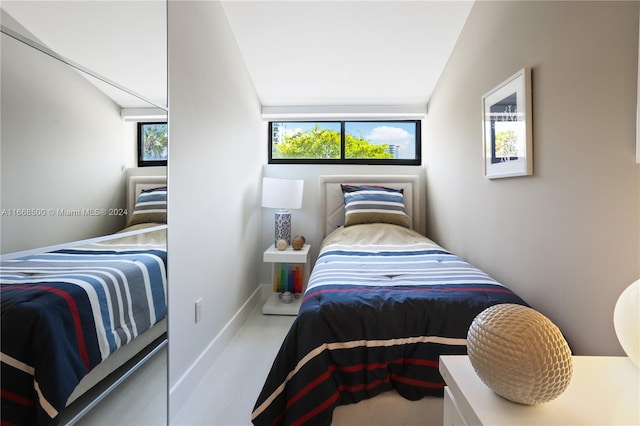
pixel 331 199
pixel 135 186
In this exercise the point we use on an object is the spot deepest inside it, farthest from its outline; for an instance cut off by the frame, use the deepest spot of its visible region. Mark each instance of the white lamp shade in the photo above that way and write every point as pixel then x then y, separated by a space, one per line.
pixel 282 193
pixel 626 321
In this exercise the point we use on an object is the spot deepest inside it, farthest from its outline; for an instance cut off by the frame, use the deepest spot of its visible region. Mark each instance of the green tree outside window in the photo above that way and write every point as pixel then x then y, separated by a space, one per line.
pixel 318 143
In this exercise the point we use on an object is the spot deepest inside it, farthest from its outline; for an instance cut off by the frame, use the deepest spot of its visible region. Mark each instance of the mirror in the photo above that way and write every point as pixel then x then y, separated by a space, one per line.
pixel 68 143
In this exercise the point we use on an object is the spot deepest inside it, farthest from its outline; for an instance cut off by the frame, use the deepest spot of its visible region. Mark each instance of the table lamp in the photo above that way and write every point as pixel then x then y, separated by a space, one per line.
pixel 282 194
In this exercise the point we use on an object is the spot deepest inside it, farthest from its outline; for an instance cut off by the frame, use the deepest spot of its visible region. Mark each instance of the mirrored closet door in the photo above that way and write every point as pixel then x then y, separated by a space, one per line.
pixel 77 78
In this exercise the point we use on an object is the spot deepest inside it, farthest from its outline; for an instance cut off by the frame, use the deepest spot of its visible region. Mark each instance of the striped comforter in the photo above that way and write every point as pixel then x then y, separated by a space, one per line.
pixel 63 313
pixel 382 304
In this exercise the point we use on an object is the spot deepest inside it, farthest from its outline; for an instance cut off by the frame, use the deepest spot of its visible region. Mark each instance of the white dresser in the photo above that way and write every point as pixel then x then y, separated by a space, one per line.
pixel 603 391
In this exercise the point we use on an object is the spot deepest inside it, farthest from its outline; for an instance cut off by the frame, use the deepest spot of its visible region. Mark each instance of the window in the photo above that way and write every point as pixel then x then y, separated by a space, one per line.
pixel 346 142
pixel 152 144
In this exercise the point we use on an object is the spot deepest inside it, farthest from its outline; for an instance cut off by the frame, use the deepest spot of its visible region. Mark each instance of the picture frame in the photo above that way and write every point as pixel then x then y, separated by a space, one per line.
pixel 507 128
pixel 152 144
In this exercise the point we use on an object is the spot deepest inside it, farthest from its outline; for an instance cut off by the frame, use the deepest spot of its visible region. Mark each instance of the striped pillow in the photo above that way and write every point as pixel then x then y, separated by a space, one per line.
pixel 151 206
pixel 374 204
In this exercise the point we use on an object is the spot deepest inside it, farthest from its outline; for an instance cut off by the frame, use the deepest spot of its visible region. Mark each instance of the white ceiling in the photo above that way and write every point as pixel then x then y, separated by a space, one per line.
pixel 298 52
pixel 123 41
pixel 346 52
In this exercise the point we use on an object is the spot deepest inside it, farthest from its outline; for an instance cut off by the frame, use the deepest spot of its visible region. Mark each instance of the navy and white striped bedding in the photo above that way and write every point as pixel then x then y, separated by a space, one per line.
pixel 66 311
pixel 376 316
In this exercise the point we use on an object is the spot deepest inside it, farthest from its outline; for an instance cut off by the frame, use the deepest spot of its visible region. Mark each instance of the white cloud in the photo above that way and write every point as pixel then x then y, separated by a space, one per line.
pixel 291 132
pixel 390 135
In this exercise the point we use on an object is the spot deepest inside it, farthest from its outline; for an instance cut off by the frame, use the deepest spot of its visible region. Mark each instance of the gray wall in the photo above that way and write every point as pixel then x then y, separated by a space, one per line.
pixel 567 238
pixel 218 146
pixel 62 148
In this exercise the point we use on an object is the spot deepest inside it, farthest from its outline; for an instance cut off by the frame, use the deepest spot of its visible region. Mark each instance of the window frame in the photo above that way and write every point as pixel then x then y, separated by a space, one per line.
pixel 343 160
pixel 141 161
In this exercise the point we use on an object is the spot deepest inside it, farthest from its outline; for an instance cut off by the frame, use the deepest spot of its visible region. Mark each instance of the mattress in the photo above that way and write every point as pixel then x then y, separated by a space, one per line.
pixel 382 304
pixel 65 311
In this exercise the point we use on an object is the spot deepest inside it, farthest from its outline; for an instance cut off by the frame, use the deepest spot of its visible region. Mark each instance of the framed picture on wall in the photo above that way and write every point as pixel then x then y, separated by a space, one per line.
pixel 506 128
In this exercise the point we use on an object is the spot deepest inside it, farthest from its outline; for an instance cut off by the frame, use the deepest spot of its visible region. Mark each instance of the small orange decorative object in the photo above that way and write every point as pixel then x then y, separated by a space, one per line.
pixel 298 242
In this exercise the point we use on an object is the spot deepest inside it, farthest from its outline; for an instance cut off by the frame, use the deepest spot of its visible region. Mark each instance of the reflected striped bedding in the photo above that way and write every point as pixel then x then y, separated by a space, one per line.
pixel 66 311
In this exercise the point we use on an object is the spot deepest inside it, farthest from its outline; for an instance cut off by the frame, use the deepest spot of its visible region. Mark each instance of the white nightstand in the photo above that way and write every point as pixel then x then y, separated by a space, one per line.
pixel 289 268
pixel 603 391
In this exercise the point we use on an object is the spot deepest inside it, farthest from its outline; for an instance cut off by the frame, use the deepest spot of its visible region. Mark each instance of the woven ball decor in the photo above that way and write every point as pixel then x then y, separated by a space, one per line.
pixel 519 354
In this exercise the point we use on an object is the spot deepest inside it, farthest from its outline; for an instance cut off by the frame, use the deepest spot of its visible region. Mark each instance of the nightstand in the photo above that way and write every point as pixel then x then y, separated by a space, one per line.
pixel 603 391
pixel 289 272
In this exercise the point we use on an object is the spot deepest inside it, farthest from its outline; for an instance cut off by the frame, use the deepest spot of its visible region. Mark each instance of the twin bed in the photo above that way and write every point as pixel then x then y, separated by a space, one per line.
pixel 382 304
pixel 74 314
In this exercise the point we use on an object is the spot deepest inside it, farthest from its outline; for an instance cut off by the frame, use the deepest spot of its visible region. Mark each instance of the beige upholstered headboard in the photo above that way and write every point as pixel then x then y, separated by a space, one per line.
pixel 331 199
pixel 135 186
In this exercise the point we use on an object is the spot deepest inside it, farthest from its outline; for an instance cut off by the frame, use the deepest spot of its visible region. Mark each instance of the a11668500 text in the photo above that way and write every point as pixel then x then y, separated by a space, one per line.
pixel 59 212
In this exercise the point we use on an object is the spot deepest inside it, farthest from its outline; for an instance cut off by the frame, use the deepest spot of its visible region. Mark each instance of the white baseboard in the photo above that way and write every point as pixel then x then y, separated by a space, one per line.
pixel 180 392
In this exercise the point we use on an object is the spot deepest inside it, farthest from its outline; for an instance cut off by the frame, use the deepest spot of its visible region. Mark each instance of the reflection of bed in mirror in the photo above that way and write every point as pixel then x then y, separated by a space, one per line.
pixel 69 153
pixel 73 315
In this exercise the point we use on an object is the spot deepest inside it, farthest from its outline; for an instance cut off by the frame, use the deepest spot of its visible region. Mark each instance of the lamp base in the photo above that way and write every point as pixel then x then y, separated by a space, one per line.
pixel 283 226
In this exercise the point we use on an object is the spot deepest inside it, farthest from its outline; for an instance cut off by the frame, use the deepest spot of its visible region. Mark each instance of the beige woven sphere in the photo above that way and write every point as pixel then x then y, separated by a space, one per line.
pixel 282 245
pixel 519 354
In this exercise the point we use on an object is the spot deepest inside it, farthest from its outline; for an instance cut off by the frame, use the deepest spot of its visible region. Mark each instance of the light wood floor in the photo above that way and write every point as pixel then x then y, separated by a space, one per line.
pixel 224 397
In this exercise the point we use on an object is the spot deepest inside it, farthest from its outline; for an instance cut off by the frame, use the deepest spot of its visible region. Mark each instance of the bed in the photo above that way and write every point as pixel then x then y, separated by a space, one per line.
pixel 75 313
pixel 382 304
